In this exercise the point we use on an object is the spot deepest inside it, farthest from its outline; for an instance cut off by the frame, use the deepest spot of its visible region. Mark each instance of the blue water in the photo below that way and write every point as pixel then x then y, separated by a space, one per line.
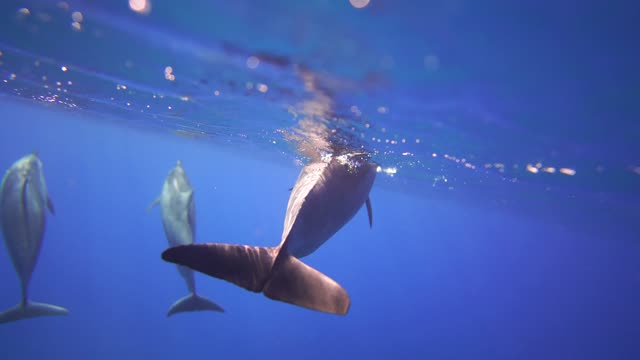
pixel 490 257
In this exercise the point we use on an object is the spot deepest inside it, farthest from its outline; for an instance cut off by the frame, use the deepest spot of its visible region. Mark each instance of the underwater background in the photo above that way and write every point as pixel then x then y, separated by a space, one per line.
pixel 506 207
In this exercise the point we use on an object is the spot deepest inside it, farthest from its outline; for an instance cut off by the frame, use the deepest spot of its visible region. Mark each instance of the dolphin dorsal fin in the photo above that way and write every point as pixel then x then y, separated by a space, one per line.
pixel 370 212
pixel 153 204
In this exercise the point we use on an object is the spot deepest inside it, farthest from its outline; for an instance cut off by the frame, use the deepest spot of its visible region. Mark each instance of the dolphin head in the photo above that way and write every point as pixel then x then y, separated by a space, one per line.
pixel 178 178
pixel 29 166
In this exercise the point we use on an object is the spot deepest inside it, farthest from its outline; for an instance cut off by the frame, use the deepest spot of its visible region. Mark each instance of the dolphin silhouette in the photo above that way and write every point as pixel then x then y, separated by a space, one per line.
pixel 327 194
pixel 179 222
pixel 23 203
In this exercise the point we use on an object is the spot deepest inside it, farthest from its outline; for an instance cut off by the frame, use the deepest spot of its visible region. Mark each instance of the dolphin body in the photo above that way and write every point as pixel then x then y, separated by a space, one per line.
pixel 179 222
pixel 327 194
pixel 23 203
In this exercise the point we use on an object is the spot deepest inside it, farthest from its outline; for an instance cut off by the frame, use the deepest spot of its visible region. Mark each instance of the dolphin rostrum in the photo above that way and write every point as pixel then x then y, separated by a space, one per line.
pixel 179 222
pixel 23 203
pixel 327 194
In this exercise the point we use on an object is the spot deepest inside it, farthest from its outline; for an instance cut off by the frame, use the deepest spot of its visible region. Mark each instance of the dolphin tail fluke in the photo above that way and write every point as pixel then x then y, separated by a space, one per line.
pixel 260 269
pixel 246 266
pixel 193 302
pixel 297 283
pixel 30 310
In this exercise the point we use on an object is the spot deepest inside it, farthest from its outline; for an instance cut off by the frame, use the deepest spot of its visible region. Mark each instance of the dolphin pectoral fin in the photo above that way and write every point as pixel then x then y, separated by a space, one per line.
pixel 31 310
pixel 294 282
pixel 50 206
pixel 246 266
pixel 370 212
pixel 193 302
pixel 153 204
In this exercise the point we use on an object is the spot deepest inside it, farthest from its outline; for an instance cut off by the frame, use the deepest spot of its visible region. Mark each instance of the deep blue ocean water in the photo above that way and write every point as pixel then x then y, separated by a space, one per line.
pixel 481 246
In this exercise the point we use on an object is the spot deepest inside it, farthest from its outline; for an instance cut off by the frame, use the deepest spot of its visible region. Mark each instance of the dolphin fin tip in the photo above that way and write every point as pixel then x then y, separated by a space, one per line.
pixel 153 204
pixel 50 206
pixel 299 284
pixel 31 310
pixel 369 212
pixel 193 302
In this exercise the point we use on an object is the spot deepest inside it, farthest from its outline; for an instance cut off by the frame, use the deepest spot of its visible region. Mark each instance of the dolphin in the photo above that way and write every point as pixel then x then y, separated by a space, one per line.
pixel 23 203
pixel 179 222
pixel 328 193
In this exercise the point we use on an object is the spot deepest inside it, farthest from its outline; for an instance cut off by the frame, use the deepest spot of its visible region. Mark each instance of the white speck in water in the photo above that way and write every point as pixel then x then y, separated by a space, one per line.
pixel 140 6
pixel 359 4
pixel 431 62
pixel 253 62
pixel 77 16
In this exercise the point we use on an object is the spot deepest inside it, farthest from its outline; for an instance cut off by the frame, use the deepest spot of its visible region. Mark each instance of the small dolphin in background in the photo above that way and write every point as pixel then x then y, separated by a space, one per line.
pixel 327 194
pixel 23 203
pixel 179 222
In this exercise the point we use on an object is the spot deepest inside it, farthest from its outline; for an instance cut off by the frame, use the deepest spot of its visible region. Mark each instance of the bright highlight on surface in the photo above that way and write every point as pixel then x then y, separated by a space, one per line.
pixel 76 20
pixel 77 16
pixel 566 171
pixel 359 4
pixel 140 6
pixel 389 171
pixel 168 73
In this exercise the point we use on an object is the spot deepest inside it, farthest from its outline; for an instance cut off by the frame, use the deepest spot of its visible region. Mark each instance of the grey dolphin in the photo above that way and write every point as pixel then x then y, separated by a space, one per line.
pixel 327 194
pixel 23 203
pixel 179 222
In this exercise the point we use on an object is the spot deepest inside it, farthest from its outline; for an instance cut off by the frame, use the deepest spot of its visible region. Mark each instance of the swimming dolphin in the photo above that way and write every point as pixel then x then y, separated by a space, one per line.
pixel 327 194
pixel 179 222
pixel 23 199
